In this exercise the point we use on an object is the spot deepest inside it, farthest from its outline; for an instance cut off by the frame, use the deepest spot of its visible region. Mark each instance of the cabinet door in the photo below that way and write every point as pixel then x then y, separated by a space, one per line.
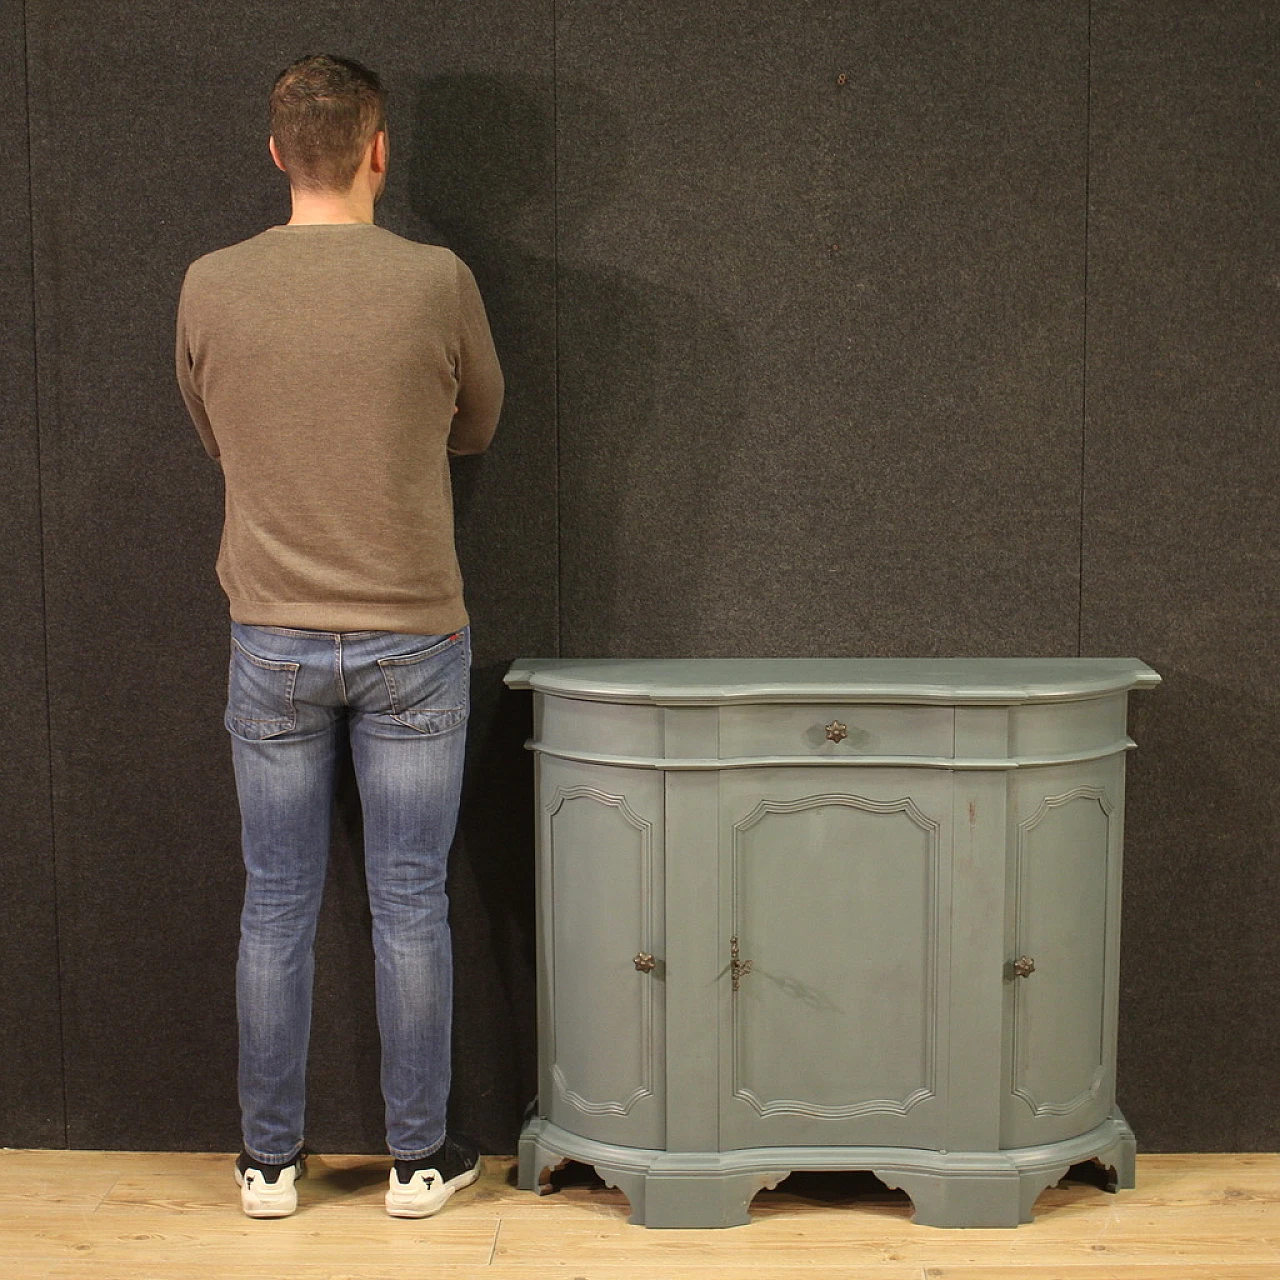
pixel 1065 919
pixel 600 909
pixel 834 922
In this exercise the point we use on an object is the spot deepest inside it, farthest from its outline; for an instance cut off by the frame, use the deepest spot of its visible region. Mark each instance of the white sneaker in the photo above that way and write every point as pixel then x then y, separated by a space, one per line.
pixel 263 1197
pixel 456 1164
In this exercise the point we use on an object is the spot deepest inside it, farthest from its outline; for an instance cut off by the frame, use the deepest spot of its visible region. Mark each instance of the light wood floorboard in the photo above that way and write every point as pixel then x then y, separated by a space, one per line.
pixel 69 1215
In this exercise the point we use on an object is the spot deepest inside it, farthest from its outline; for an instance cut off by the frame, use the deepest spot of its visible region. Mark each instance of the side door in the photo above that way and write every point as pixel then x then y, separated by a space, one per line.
pixel 1064 928
pixel 601 1009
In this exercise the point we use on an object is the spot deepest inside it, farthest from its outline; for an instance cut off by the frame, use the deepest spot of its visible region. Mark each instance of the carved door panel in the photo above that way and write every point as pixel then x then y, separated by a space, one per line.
pixel 601 978
pixel 835 931
pixel 1060 1004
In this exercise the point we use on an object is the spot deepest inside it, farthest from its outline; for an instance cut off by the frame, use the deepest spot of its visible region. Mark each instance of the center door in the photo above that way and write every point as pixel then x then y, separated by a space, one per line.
pixel 835 933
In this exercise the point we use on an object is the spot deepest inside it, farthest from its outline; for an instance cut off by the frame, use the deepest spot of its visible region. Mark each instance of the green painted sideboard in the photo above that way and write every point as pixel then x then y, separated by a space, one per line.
pixel 830 914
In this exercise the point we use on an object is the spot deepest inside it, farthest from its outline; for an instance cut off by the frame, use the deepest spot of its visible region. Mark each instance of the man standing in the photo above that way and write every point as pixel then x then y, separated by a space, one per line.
pixel 332 367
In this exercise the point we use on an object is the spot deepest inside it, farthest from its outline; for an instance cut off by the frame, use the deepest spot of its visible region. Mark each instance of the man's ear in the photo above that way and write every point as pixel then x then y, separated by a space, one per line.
pixel 378 154
pixel 275 155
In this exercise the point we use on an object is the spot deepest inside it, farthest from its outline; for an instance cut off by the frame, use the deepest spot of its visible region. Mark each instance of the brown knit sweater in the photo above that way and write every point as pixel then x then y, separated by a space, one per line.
pixel 321 364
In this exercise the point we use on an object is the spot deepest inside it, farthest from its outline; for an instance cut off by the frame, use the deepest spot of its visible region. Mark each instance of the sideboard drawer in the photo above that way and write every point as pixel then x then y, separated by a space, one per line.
pixel 849 731
pixel 600 728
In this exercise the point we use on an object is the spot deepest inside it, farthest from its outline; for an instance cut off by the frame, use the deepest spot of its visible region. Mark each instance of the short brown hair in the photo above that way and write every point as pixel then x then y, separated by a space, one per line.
pixel 324 110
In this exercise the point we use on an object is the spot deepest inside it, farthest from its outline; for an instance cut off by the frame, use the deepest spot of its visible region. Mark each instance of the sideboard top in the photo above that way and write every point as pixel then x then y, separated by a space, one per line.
pixel 989 681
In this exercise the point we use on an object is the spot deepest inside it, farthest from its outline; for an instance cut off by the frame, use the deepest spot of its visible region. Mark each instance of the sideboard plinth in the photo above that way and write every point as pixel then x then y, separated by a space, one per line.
pixel 681 1189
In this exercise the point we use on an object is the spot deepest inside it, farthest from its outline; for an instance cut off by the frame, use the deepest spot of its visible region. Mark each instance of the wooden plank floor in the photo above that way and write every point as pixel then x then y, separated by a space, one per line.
pixel 68 1215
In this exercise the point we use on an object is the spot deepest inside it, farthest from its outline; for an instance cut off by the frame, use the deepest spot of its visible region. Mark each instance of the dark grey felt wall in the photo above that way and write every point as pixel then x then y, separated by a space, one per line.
pixel 820 340
pixel 850 329
pixel 31 1109
pixel 1180 539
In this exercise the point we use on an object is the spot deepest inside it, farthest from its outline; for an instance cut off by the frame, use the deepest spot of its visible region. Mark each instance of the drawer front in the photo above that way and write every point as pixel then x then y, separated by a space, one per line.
pixel 598 728
pixel 1091 724
pixel 850 731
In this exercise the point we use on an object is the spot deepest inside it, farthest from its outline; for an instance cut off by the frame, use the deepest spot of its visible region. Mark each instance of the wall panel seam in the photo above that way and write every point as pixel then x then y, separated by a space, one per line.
pixel 555 306
pixel 42 540
pixel 1084 324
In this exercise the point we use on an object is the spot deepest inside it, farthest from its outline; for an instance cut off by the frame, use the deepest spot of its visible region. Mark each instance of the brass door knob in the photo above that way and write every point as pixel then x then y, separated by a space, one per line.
pixel 837 732
pixel 1024 967
pixel 644 962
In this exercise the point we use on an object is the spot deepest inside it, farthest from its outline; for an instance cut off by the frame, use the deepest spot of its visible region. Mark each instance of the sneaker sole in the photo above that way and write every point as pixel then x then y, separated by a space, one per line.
pixel 407 1208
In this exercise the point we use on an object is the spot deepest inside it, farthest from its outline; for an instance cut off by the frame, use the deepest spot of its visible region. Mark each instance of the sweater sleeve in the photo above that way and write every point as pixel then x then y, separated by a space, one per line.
pixel 186 381
pixel 480 382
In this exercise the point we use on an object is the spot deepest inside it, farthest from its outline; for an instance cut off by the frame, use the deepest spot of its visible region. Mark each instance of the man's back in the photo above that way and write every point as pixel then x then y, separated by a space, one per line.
pixel 322 364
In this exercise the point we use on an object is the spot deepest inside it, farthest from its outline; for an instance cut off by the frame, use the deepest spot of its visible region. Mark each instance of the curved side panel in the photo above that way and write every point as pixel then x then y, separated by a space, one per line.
pixel 603 842
pixel 1059 1055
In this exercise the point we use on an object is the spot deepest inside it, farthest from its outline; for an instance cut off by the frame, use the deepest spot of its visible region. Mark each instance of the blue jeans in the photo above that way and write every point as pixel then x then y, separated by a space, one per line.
pixel 404 700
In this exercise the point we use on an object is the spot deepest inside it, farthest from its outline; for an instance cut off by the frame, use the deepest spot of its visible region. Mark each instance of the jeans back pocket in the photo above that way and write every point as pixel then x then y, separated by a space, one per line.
pixel 259 695
pixel 429 690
